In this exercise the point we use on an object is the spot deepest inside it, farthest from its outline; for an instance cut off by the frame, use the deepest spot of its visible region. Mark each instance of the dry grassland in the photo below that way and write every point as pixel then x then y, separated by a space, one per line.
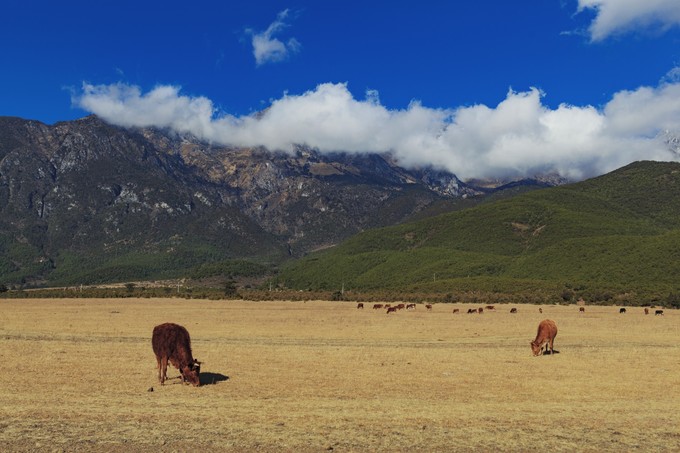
pixel 322 376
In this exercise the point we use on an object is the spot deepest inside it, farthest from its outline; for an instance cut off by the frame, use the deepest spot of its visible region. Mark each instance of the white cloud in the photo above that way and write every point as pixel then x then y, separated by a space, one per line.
pixel 520 136
pixel 620 16
pixel 267 48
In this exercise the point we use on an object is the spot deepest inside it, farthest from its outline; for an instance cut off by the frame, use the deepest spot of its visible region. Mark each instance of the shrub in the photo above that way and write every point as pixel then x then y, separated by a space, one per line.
pixel 673 300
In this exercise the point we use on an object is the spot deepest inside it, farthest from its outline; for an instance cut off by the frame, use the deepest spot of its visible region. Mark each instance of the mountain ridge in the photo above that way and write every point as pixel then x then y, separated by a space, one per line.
pixel 86 201
pixel 618 233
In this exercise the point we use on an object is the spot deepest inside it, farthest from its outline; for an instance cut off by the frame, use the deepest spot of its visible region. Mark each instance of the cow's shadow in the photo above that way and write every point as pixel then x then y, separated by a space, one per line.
pixel 553 352
pixel 208 378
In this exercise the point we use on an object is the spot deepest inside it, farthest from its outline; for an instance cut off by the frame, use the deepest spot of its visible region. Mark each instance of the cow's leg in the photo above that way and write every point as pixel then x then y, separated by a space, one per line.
pixel 164 369
pixel 158 365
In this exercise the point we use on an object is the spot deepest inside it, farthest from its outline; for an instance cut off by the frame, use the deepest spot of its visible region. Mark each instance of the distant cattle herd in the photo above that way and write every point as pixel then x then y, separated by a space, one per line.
pixel 479 310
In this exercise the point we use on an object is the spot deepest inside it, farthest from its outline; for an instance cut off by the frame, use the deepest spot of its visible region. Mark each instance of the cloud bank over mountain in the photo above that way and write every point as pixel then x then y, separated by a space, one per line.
pixel 519 137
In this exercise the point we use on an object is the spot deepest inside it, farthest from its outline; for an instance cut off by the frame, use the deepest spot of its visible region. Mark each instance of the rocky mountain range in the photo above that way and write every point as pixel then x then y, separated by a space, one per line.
pixel 85 201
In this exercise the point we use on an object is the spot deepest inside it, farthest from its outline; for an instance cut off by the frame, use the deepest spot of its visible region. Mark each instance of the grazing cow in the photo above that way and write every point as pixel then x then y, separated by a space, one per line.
pixel 622 310
pixel 472 310
pixel 429 307
pixel 547 330
pixel 401 306
pixel 513 310
pixel 456 310
pixel 490 307
pixel 480 310
pixel 646 311
pixel 388 305
pixel 540 310
pixel 411 307
pixel 377 306
pixel 391 310
pixel 658 312
pixel 581 309
pixel 171 343
pixel 360 306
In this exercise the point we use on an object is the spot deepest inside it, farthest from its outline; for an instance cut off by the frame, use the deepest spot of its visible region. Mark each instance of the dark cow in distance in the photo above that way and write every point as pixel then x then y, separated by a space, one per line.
pixel 513 310
pixel 547 331
pixel 658 313
pixel 171 343
pixel 622 310
pixel 360 305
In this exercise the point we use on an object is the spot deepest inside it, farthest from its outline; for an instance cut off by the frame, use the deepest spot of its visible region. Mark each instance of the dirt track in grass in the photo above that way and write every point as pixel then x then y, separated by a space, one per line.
pixel 322 376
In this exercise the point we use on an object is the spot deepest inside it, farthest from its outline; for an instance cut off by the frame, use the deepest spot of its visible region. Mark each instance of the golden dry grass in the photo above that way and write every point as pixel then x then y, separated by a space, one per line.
pixel 322 376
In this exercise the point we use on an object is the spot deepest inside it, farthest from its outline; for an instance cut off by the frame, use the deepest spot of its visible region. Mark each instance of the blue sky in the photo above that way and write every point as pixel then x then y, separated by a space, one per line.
pixel 480 88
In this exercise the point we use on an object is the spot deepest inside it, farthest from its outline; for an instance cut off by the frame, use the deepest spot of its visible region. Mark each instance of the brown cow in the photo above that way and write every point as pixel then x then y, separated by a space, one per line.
pixel 480 310
pixel 513 310
pixel 658 312
pixel 429 307
pixel 456 310
pixel 391 310
pixel 622 310
pixel 411 307
pixel 171 343
pixel 377 306
pixel 401 306
pixel 581 309
pixel 540 310
pixel 646 311
pixel 547 330
pixel 360 306
pixel 472 310
pixel 490 307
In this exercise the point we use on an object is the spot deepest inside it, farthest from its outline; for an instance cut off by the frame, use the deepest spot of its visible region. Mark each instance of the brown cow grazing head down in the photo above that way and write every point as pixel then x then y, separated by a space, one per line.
pixel 547 331
pixel 171 343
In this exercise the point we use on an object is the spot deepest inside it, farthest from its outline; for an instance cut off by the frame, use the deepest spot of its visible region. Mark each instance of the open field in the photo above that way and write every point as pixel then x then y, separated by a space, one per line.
pixel 322 376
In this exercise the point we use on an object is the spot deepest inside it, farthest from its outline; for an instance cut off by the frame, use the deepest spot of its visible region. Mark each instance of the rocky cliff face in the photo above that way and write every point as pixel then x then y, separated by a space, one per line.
pixel 85 192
